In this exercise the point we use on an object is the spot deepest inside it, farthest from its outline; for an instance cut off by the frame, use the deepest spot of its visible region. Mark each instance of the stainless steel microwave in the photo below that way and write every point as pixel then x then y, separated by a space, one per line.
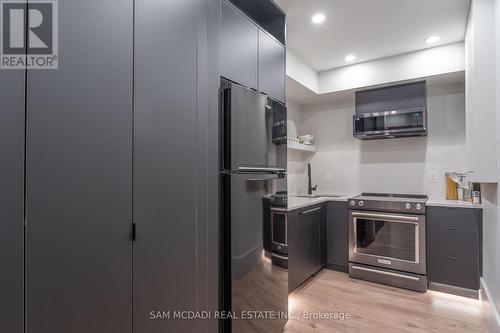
pixel 390 124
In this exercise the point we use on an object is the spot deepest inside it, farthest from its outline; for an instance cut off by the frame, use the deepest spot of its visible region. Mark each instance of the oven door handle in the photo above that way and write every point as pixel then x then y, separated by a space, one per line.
pixel 401 218
pixel 402 276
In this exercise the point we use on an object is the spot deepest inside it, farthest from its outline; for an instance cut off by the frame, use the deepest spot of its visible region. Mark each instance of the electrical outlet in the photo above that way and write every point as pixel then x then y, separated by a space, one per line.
pixel 433 178
pixel 329 176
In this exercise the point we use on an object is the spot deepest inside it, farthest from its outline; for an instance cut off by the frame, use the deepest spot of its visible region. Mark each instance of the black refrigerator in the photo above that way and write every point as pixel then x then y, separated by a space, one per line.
pixel 254 291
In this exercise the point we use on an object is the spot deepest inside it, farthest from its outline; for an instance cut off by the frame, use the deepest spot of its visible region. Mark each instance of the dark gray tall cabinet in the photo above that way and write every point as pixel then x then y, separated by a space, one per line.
pixel 79 175
pixel 12 200
pixel 170 110
pixel 122 137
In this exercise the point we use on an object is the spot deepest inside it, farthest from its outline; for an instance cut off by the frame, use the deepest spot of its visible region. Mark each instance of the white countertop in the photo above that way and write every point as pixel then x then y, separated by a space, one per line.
pixel 452 203
pixel 299 202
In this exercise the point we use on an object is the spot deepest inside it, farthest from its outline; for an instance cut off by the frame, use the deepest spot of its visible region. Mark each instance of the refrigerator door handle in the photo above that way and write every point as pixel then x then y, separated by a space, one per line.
pixel 257 169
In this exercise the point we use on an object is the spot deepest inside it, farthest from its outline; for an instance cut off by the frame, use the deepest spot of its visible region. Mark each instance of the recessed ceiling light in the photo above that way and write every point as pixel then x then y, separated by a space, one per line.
pixel 432 39
pixel 318 18
pixel 350 58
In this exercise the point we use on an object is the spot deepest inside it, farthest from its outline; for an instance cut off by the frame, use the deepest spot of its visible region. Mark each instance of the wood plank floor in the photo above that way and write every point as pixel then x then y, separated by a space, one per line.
pixel 377 308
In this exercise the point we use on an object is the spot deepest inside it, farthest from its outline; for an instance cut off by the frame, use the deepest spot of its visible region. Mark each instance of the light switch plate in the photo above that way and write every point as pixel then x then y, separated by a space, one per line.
pixel 329 176
pixel 433 177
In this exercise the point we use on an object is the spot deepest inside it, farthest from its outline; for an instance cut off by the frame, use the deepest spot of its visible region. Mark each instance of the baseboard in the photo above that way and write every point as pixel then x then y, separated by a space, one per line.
pixel 444 288
pixel 492 315
pixel 338 268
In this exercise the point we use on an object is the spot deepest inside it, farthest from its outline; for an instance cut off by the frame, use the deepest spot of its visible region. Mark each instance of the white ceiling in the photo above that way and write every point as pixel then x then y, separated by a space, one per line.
pixel 305 97
pixel 370 29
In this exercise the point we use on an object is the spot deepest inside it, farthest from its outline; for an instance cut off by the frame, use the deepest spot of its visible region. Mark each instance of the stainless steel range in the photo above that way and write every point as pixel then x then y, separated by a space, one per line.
pixel 387 239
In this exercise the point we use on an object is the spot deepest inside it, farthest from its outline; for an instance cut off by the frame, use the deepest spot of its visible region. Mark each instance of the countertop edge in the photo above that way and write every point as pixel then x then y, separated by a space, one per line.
pixel 453 204
pixel 430 203
pixel 316 201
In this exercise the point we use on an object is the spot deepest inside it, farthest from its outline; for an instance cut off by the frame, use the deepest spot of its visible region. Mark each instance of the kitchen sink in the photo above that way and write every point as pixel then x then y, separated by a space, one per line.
pixel 320 195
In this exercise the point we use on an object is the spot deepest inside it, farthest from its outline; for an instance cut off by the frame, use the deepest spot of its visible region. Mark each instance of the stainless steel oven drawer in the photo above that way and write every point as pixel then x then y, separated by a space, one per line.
pixel 390 277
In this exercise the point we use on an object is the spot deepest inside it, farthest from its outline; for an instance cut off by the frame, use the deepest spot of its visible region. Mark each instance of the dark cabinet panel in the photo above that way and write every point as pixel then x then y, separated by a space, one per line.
pixel 266 14
pixel 314 222
pixel 453 271
pixel 165 161
pixel 271 66
pixel 323 245
pixel 464 218
pixel 459 243
pixel 239 39
pixel 338 235
pixel 454 246
pixel 293 252
pixel 12 200
pixel 306 244
pixel 79 175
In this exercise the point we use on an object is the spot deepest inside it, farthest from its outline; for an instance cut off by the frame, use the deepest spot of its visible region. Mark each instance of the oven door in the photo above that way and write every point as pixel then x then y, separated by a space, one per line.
pixel 279 230
pixel 394 241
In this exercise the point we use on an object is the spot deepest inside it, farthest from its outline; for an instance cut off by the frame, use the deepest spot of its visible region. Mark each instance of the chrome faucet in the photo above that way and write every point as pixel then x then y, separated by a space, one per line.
pixel 310 188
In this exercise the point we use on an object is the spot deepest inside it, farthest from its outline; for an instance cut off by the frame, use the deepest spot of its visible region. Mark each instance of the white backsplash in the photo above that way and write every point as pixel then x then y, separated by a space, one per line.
pixel 403 165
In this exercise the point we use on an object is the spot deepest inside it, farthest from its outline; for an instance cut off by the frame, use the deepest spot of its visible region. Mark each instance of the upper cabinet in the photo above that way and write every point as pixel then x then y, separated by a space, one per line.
pixel 239 42
pixel 266 14
pixel 271 66
pixel 251 55
pixel 480 92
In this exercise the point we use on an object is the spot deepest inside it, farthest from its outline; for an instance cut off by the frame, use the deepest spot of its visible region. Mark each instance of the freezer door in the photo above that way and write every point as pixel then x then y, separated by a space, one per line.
pixel 256 284
pixel 251 129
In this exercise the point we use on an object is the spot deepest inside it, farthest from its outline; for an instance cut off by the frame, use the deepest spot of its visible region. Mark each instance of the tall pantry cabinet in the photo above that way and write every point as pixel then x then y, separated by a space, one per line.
pixel 169 120
pixel 12 200
pixel 106 180
pixel 79 175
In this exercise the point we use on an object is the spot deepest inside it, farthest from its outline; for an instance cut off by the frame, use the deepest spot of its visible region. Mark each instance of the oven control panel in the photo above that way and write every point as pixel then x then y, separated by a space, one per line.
pixel 400 206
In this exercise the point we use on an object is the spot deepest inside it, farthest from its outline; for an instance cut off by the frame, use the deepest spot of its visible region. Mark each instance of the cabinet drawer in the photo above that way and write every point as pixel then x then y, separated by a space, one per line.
pixel 453 242
pixel 464 218
pixel 453 272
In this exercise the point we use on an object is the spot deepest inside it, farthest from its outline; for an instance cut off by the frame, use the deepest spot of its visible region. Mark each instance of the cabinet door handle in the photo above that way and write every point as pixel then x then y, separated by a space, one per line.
pixel 310 211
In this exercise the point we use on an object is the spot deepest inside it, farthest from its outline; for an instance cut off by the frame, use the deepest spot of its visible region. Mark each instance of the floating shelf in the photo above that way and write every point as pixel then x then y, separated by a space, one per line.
pixel 302 147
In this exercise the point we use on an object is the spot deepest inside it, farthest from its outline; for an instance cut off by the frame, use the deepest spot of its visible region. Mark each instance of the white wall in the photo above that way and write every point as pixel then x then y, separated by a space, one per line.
pixel 480 92
pixel 301 72
pixel 429 62
pixel 491 192
pixel 296 160
pixel 399 165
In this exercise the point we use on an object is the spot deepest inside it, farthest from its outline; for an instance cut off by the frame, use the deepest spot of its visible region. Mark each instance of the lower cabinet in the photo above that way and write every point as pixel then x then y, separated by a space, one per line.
pixel 454 246
pixel 338 236
pixel 307 243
